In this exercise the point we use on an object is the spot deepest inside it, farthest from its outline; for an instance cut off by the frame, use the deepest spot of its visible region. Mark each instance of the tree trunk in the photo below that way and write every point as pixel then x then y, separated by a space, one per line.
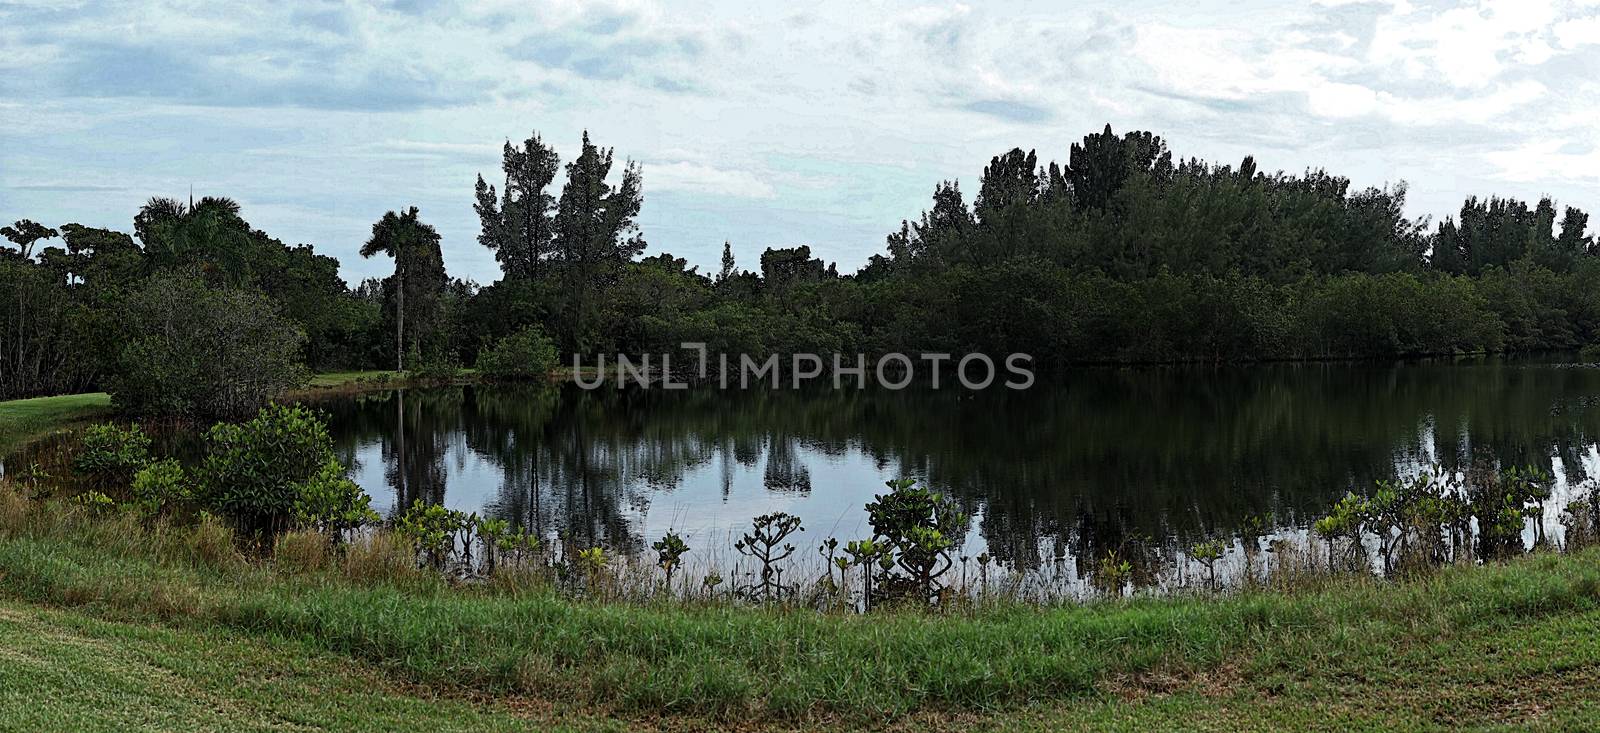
pixel 399 319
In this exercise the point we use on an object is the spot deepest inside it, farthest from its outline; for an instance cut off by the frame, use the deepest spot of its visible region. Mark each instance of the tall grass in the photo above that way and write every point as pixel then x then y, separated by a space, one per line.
pixel 726 660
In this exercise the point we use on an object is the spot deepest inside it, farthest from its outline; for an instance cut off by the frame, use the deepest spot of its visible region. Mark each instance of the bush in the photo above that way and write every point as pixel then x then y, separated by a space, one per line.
pixel 918 530
pixel 436 368
pixel 526 354
pixel 112 454
pixel 256 472
pixel 332 504
pixel 161 485
pixel 200 352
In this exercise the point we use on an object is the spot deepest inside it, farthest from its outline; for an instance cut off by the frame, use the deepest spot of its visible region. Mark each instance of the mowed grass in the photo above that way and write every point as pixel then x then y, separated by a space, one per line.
pixel 340 379
pixel 67 671
pixel 63 670
pixel 1513 645
pixel 24 420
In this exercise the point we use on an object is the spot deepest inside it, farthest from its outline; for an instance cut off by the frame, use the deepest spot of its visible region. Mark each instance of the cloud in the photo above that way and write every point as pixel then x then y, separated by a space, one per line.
pixel 1009 110
pixel 1546 161
pixel 107 70
pixel 65 187
pixel 763 126
pixel 705 179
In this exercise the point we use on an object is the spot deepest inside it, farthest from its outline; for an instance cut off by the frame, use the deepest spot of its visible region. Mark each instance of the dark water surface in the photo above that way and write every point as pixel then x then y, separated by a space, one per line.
pixel 1067 469
pixel 1080 464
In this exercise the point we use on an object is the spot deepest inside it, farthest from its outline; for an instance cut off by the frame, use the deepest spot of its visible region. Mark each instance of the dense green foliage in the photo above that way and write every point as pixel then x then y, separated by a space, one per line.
pixel 527 354
pixel 112 454
pixel 195 350
pixel 258 472
pixel 1122 253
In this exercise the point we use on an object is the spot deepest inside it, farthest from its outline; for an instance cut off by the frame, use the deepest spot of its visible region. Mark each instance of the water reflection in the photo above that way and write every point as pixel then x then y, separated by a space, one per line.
pixel 1101 458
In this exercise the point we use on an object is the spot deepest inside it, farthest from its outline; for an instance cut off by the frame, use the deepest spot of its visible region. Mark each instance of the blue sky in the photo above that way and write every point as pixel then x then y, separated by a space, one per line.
pixel 765 124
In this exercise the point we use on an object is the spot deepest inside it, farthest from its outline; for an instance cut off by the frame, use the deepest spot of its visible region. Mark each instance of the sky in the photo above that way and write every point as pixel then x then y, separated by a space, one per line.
pixel 765 124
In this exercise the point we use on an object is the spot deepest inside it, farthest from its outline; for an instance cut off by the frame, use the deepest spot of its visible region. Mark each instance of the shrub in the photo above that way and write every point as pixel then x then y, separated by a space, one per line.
pixel 95 502
pixel 670 550
pixel 112 454
pixel 918 530
pixel 437 367
pixel 765 543
pixel 526 354
pixel 333 504
pixel 256 472
pixel 1208 553
pixel 301 551
pixel 1110 574
pixel 195 351
pixel 1582 521
pixel 431 529
pixel 1345 523
pixel 160 485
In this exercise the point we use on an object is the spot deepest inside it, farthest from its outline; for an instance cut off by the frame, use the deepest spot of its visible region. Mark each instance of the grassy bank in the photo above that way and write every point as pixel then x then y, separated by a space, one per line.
pixel 1515 644
pixel 24 420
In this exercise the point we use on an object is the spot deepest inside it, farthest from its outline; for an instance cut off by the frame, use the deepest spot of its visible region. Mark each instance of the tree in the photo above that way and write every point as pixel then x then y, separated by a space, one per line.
pixel 1563 251
pixel 1097 169
pixel 595 234
pixel 24 234
pixel 518 227
pixel 728 266
pixel 782 267
pixel 1009 180
pixel 192 350
pixel 419 278
pixel 210 235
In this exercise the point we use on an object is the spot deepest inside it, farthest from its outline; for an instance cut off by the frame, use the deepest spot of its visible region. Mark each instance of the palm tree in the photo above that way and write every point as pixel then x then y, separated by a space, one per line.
pixel 414 247
pixel 209 233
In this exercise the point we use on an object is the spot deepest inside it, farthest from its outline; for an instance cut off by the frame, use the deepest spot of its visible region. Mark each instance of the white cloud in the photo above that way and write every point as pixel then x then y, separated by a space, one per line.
pixel 1544 161
pixel 757 121
pixel 704 179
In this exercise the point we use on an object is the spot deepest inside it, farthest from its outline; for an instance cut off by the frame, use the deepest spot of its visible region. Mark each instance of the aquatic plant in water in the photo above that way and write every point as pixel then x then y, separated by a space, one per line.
pixel 670 550
pixel 917 530
pixel 765 543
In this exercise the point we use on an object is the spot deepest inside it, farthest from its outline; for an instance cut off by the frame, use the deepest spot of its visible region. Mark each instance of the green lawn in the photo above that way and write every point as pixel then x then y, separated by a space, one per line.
pixel 342 379
pixel 24 420
pixel 1511 646
pixel 68 671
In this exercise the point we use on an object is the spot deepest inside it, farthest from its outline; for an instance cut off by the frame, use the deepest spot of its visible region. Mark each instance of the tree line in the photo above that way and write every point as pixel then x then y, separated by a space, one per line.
pixel 1123 253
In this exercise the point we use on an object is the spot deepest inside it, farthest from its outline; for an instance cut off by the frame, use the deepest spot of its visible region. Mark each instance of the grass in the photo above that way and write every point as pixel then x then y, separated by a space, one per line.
pixel 69 671
pixel 22 421
pixel 1515 645
pixel 341 379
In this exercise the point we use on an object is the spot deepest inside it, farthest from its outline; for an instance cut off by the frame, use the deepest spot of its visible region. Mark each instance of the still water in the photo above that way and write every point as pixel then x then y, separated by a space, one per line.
pixel 1076 465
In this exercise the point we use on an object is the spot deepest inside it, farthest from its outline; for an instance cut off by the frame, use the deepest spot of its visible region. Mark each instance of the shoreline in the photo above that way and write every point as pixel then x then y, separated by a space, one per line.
pixel 1512 642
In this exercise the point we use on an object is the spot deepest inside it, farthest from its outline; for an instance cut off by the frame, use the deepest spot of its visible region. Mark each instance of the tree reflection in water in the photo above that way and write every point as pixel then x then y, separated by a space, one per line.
pixel 1072 468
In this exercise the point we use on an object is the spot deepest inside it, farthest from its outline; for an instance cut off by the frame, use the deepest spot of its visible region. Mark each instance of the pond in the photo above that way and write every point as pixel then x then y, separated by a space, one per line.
pixel 1082 463
pixel 1066 470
